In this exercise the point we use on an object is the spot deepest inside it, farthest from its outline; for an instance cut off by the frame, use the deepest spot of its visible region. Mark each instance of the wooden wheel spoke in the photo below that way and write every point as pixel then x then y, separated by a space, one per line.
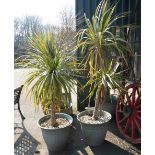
pixel 133 95
pixel 132 129
pixel 138 106
pixel 123 119
pixel 138 99
pixel 127 125
pixel 138 116
pixel 138 125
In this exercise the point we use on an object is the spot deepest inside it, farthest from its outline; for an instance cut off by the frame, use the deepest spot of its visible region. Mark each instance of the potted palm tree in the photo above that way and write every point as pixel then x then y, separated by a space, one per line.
pixel 50 79
pixel 101 46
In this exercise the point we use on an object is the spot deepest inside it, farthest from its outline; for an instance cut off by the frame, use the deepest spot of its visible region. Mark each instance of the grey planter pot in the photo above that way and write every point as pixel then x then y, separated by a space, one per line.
pixel 94 134
pixel 56 139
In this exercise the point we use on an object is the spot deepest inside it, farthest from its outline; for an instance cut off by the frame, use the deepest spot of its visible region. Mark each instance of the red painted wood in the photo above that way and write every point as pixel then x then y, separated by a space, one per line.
pixel 130 126
pixel 127 125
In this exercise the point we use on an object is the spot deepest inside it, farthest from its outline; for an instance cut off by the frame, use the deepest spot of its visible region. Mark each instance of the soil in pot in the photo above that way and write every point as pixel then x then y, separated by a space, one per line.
pixel 62 122
pixel 87 118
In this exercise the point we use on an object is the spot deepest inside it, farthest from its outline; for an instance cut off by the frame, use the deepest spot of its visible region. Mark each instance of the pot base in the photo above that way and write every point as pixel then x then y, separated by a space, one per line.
pixel 94 134
pixel 56 138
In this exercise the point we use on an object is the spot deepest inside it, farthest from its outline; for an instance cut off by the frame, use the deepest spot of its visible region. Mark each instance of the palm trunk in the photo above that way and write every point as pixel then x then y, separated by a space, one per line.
pixel 53 117
pixel 97 104
pixel 100 98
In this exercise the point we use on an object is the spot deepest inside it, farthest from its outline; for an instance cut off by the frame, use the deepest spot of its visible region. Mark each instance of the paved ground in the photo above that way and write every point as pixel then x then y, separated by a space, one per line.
pixel 28 139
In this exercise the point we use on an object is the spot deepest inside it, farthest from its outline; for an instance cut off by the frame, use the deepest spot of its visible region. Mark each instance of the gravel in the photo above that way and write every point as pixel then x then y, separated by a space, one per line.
pixel 89 120
pixel 62 122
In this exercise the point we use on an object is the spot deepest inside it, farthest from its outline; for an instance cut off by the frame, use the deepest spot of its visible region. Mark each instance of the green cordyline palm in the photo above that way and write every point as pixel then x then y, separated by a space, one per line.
pixel 100 45
pixel 101 82
pixel 52 73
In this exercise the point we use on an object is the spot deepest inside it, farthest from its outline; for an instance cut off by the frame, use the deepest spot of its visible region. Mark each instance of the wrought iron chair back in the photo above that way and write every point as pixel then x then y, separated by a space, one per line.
pixel 17 93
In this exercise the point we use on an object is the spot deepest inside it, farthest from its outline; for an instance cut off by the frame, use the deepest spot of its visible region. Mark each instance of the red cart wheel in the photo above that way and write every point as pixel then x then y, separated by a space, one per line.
pixel 128 113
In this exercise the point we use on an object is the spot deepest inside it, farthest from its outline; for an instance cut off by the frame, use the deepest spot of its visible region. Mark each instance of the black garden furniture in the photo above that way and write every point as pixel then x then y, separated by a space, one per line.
pixel 17 93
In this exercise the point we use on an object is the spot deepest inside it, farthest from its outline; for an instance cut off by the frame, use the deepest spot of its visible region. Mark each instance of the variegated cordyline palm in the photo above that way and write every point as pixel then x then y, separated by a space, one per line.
pixel 100 44
pixel 52 72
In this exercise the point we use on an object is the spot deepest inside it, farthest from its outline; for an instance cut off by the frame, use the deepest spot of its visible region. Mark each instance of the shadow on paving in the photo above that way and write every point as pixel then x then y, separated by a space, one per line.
pixel 105 149
pixel 113 145
pixel 108 148
pixel 25 144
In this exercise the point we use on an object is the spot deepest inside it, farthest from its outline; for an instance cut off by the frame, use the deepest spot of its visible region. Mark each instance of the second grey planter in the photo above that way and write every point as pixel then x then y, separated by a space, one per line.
pixel 56 139
pixel 94 134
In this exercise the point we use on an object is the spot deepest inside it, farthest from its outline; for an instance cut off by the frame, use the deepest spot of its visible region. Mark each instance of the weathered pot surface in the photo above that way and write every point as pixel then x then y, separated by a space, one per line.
pixel 56 138
pixel 94 134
